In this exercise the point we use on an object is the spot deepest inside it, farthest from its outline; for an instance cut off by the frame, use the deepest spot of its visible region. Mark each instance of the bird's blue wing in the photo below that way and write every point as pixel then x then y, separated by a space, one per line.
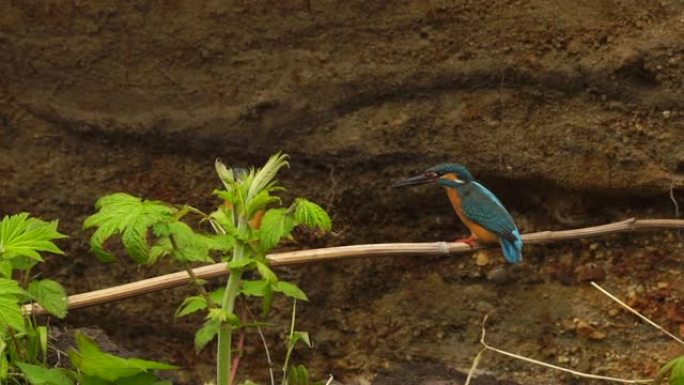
pixel 484 208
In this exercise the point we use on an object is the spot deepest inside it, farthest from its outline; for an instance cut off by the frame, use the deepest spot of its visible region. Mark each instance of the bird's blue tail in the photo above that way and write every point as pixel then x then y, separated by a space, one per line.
pixel 512 250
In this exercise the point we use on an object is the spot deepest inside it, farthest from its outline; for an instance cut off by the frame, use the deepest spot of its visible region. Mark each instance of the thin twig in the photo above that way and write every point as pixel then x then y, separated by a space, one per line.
pixel 200 286
pixel 676 210
pixel 476 361
pixel 330 380
pixel 556 367
pixel 263 341
pixel 643 317
pixel 344 252
pixel 674 202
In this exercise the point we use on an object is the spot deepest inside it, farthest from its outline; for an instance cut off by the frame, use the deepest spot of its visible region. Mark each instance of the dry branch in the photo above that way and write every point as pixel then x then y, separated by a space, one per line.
pixel 547 365
pixel 345 252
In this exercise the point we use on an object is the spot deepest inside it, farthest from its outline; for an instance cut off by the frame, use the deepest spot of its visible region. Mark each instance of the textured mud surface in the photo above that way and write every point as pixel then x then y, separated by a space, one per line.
pixel 572 113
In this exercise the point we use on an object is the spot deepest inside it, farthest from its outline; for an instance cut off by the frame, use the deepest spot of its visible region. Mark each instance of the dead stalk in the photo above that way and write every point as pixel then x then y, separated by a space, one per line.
pixel 345 252
pixel 643 317
pixel 473 368
pixel 551 366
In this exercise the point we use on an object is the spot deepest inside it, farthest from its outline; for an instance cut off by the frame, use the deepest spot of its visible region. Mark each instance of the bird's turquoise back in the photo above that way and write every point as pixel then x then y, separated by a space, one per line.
pixel 483 207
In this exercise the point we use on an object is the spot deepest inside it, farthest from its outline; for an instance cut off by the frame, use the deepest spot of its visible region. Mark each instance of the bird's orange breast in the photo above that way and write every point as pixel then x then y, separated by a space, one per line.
pixel 483 235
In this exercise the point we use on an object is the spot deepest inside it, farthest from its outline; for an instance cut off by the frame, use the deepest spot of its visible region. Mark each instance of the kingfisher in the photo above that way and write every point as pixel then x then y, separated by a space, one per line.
pixel 477 207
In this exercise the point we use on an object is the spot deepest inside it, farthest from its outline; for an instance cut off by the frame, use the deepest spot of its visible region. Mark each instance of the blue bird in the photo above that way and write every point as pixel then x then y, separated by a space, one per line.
pixel 479 209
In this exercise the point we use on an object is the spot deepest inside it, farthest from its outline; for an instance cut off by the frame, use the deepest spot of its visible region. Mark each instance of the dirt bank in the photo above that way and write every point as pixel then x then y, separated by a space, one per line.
pixel 572 113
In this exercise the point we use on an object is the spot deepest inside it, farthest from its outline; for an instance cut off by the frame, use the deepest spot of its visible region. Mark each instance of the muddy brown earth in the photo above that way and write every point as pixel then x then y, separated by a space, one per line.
pixel 572 112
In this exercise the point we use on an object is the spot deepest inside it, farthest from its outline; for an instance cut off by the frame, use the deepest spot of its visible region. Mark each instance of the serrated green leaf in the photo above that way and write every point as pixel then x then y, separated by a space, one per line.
pixel 11 287
pixel 129 216
pixel 224 173
pixel 300 336
pixel 38 375
pixel 266 272
pixel 90 360
pixel 311 215
pixel 160 249
pixel 254 288
pixel 141 379
pixel 220 242
pixel 275 225
pixel 23 263
pixel 665 369
pixel 297 375
pixel 290 290
pixel 223 316
pixel 242 263
pixel 191 305
pixel 677 372
pixel 4 363
pixel 226 195
pixel 85 379
pixel 188 245
pixel 10 314
pixel 263 178
pixel 22 236
pixel 206 333
pixel 260 201
pixel 5 269
pixel 217 295
pixel 42 332
pixel 134 239
pixel 50 295
pixel 196 303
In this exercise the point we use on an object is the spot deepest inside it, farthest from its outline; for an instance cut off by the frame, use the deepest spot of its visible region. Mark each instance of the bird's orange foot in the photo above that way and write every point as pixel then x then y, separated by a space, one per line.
pixel 470 241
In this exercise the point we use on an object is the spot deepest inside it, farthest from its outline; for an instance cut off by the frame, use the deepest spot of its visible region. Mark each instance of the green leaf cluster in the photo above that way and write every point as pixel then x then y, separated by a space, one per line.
pixel 676 370
pixel 250 221
pixel 130 217
pixel 150 230
pixel 22 343
pixel 22 239
pixel 99 368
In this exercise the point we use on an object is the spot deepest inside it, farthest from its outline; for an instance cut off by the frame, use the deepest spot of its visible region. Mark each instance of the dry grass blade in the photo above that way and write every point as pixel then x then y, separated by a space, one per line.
pixel 643 317
pixel 556 367
pixel 356 251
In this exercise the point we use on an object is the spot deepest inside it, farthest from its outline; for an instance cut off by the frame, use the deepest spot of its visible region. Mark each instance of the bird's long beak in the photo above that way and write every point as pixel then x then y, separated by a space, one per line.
pixel 414 181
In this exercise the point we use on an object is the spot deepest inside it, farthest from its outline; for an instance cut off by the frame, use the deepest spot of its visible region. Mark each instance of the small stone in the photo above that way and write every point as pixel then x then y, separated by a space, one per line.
pixel 568 325
pixel 590 272
pixel 667 114
pixel 499 275
pixel 482 258
pixel 613 312
pixel 587 331
pixel 563 359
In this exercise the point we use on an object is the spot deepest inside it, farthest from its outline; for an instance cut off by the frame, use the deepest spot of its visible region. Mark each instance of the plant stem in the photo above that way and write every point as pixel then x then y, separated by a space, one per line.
pixel 290 345
pixel 225 334
pixel 200 287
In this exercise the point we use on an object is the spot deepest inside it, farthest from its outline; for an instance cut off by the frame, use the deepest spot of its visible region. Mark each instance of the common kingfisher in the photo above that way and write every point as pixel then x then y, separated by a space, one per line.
pixel 479 209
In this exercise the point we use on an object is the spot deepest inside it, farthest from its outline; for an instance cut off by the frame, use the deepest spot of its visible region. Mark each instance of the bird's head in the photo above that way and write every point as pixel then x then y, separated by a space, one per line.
pixel 446 174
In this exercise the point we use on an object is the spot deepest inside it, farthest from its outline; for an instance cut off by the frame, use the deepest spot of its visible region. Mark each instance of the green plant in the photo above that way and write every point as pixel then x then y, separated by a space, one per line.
pixel 24 343
pixel 676 370
pixel 246 226
pixel 24 347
